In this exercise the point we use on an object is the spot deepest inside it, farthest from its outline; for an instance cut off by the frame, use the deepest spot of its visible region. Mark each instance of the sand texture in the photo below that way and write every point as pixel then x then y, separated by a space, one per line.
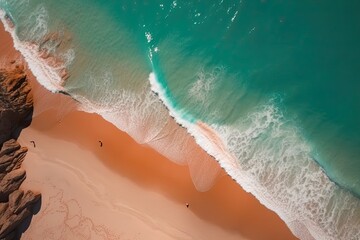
pixel 123 190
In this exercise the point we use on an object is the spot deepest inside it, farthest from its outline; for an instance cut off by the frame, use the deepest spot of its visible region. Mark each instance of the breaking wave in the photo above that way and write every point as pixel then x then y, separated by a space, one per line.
pixel 139 113
pixel 262 151
pixel 267 156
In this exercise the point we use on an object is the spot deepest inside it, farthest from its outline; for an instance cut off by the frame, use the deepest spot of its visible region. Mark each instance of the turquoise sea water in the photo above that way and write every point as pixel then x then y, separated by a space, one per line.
pixel 276 80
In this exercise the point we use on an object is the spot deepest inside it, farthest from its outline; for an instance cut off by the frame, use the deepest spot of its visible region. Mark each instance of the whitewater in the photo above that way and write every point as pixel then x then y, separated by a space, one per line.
pixel 263 152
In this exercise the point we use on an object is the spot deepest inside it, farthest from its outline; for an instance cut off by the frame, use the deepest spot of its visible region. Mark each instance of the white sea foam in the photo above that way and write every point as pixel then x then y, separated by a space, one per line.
pixel 262 153
pixel 148 37
pixel 49 76
pixel 202 86
pixel 142 115
pixel 39 27
pixel 268 158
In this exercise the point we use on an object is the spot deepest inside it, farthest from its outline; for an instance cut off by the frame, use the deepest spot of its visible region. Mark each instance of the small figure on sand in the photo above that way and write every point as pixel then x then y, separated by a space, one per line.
pixel 187 205
pixel 100 143
pixel 33 142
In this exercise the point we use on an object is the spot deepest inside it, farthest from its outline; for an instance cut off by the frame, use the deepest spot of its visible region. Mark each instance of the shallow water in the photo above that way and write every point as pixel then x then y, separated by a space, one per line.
pixel 275 81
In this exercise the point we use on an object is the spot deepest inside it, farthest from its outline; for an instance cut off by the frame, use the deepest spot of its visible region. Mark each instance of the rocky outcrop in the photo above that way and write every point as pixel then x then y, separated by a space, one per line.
pixel 15 211
pixel 16 103
pixel 16 106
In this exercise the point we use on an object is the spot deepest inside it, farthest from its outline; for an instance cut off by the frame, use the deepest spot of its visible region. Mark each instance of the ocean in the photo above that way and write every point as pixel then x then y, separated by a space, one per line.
pixel 269 89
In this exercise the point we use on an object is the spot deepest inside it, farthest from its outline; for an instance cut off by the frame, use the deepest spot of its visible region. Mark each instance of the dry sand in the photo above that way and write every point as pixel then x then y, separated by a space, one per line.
pixel 123 190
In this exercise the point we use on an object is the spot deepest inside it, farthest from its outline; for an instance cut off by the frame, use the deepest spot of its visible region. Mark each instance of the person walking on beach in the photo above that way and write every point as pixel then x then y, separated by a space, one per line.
pixel 101 144
pixel 33 142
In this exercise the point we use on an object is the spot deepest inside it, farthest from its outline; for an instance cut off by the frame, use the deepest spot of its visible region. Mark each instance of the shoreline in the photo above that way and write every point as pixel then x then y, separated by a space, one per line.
pixel 17 205
pixel 218 208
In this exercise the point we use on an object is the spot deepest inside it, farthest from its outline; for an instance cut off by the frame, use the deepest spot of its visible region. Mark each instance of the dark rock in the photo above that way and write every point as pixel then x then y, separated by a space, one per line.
pixel 15 199
pixel 11 182
pixel 16 103
pixel 16 106
pixel 10 236
pixel 13 221
pixel 27 201
pixel 9 147
pixel 3 207
pixel 19 207
pixel 11 156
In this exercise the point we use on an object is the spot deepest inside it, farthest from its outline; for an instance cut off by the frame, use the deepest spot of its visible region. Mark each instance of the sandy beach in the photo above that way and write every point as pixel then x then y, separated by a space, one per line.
pixel 122 190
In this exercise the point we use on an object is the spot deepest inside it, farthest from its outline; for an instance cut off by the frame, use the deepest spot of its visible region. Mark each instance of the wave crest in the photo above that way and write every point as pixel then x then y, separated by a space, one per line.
pixel 267 157
pixel 50 68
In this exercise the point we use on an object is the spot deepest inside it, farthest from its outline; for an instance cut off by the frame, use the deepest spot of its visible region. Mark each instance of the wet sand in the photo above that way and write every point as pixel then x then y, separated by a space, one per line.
pixel 123 190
